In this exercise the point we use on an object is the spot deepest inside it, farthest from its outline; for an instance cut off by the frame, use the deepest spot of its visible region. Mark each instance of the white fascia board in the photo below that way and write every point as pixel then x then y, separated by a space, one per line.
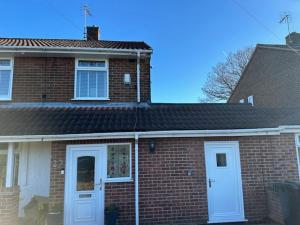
pixel 290 129
pixel 210 133
pixel 148 134
pixel 78 50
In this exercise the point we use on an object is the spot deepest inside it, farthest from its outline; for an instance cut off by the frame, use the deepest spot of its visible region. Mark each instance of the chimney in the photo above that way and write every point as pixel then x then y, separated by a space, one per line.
pixel 293 39
pixel 92 33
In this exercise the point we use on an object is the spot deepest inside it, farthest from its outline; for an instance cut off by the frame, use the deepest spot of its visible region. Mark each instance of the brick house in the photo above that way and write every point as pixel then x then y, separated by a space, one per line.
pixel 271 78
pixel 77 125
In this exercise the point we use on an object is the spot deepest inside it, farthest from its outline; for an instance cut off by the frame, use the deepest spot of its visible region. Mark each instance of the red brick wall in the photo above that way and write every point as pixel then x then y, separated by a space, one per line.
pixel 52 80
pixel 9 204
pixel 35 77
pixel 169 196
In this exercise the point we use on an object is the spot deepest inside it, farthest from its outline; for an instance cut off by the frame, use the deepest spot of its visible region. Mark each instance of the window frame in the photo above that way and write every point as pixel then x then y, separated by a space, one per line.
pixel 297 143
pixel 11 151
pixel 118 179
pixel 250 100
pixel 106 69
pixel 11 68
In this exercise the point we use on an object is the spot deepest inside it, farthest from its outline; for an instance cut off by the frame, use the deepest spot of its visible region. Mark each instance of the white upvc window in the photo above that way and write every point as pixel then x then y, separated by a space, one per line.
pixel 9 165
pixel 251 100
pixel 298 151
pixel 118 162
pixel 91 79
pixel 242 100
pixel 6 78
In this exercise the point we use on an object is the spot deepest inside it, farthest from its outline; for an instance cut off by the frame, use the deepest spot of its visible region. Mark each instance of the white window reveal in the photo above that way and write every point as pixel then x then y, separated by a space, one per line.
pixel 119 162
pixel 91 79
pixel 6 75
pixel 298 151
pixel 251 100
pixel 242 100
pixel 9 165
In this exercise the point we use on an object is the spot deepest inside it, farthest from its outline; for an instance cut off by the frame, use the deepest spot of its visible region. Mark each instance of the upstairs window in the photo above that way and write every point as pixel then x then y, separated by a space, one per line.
pixel 251 100
pixel 6 74
pixel 91 81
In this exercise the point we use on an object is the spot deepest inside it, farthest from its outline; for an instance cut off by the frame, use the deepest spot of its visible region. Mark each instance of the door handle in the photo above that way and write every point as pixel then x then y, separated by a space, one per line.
pixel 100 184
pixel 210 181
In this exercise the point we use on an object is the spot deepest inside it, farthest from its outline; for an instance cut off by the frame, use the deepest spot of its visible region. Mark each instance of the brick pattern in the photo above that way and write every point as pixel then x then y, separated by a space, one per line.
pixel 35 77
pixel 122 194
pixel 169 196
pixel 52 80
pixel 145 80
pixel 9 204
pixel 275 212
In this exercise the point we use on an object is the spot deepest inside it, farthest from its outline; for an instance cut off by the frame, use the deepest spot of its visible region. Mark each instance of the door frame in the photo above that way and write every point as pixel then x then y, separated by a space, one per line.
pixel 68 178
pixel 235 145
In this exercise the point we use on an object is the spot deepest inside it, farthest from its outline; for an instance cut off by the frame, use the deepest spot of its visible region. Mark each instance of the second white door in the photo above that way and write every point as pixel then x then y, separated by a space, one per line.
pixel 224 182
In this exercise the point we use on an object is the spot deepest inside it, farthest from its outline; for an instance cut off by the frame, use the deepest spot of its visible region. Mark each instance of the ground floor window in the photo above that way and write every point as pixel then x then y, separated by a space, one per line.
pixel 118 161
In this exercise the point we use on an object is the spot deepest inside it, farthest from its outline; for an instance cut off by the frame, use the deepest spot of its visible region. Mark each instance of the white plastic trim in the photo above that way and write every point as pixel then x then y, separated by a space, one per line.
pixel 10 166
pixel 297 143
pixel 136 179
pixel 71 49
pixel 147 134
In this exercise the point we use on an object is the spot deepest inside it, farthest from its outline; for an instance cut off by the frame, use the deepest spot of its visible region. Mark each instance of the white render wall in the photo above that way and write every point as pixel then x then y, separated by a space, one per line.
pixel 34 171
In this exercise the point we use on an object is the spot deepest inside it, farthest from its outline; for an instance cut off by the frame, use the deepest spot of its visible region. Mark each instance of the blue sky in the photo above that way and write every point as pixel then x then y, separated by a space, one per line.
pixel 188 36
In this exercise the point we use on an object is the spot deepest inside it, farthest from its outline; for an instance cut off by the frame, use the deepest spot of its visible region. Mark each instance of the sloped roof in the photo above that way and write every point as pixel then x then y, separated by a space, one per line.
pixel 65 43
pixel 153 117
pixel 270 64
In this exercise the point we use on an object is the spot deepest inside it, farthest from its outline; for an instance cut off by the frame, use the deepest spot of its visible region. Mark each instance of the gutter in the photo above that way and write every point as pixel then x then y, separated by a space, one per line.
pixel 152 134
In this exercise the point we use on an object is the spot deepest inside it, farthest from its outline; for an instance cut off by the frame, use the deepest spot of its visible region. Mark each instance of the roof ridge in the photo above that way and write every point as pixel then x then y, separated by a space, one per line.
pixel 67 39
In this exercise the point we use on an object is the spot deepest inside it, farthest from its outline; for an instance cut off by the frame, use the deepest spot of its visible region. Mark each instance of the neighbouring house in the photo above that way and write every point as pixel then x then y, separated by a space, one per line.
pixel 77 125
pixel 271 78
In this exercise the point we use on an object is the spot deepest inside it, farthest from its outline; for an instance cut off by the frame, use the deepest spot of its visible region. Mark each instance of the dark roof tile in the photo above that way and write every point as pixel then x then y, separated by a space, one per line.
pixel 27 42
pixel 156 117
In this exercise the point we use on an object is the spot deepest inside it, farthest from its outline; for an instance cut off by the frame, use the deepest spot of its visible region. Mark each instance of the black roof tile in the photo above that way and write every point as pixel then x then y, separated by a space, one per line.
pixel 156 117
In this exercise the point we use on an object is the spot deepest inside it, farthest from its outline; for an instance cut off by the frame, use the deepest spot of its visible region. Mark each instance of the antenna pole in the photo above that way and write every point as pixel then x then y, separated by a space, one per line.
pixel 287 19
pixel 86 13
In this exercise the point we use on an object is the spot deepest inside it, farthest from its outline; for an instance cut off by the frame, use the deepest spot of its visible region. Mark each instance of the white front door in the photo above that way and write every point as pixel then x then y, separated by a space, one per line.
pixel 224 182
pixel 84 204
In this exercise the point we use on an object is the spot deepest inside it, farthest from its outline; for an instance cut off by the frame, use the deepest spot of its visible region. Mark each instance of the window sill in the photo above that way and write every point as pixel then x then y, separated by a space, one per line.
pixel 5 99
pixel 90 99
pixel 118 180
